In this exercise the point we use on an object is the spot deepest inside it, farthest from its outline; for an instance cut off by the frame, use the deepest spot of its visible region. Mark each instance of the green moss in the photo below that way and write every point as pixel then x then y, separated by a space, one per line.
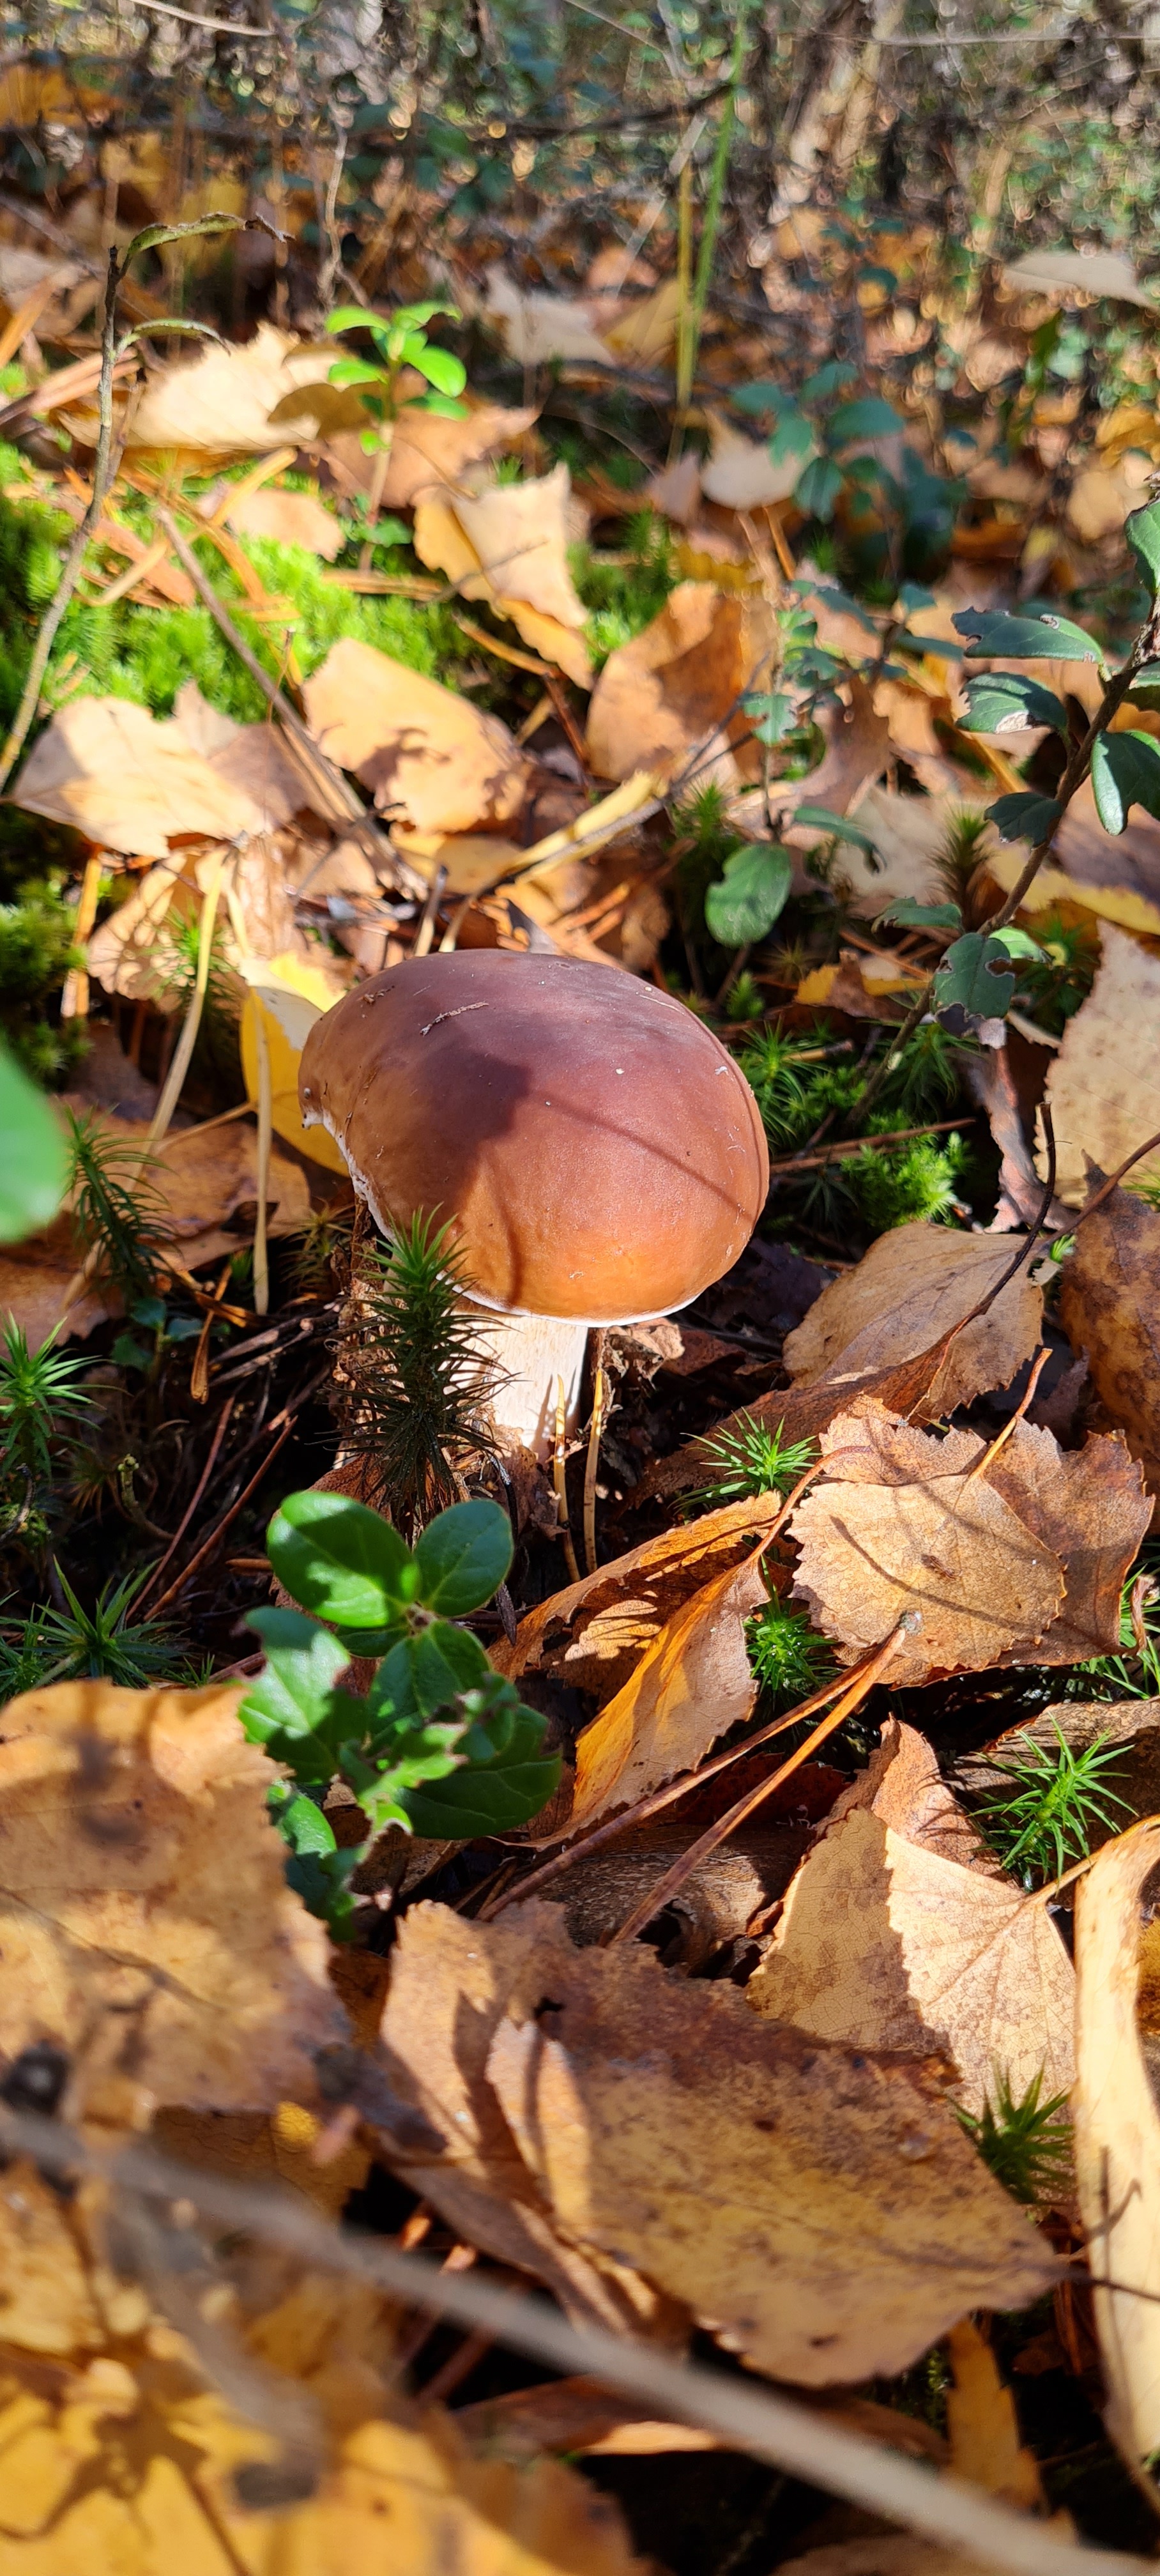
pixel 892 1189
pixel 36 951
pixel 623 597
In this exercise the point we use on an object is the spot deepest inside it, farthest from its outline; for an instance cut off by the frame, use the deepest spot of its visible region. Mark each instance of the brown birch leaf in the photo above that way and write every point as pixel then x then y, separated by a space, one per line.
pixel 1108 1309
pixel 887 1941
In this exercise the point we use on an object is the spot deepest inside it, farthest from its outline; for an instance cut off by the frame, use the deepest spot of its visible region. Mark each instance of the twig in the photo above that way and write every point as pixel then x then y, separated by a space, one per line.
pixel 265 1105
pixel 674 1879
pixel 183 1051
pixel 759 2421
pixel 199 1373
pixel 322 773
pixel 222 1526
pixel 216 26
pixel 187 1515
pixel 1038 1365
pixel 847 1145
pixel 71 568
pixel 591 1464
pixel 560 1481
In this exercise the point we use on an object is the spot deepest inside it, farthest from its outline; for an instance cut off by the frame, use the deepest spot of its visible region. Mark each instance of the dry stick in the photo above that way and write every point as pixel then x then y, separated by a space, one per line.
pixel 425 933
pixel 591 1464
pixel 847 1145
pixel 70 571
pixel 199 1373
pixel 183 1051
pixel 322 772
pixel 74 1003
pixel 187 1515
pixel 674 1879
pixel 629 1817
pixel 756 2420
pixel 1038 1365
pixel 265 1129
pixel 560 1480
pixel 222 1526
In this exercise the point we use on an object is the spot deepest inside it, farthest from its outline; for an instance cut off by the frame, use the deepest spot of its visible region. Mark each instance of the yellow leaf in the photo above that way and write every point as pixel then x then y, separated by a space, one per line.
pixel 286 997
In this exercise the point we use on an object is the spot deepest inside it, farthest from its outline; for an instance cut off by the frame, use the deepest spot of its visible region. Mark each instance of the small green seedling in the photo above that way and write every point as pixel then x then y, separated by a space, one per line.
pixel 788 1658
pixel 441 1745
pixel 1056 1798
pixel 401 344
pixel 749 1458
pixel 1027 2144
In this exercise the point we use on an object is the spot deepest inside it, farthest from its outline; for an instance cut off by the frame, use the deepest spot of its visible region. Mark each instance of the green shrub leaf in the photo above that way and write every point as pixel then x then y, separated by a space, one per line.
pixel 462 1558
pixel 1046 638
pixel 340 1559
pixel 1009 701
pixel 747 899
pixel 1125 772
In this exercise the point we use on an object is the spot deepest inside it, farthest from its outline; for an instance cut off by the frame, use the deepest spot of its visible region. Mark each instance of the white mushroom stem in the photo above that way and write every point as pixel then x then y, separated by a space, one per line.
pixel 534 1352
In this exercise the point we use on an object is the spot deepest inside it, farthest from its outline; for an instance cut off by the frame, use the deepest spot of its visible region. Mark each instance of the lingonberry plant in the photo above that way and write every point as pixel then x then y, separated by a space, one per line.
pixel 441 1744
pixel 977 971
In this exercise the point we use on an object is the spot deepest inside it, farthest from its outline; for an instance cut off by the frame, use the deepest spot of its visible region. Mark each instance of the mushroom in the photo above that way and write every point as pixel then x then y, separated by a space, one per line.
pixel 599 1153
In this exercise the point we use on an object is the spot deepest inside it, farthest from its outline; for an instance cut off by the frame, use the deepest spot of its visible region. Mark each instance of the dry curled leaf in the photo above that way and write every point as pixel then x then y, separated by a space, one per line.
pixel 693 1684
pixel 594 1633
pixel 1117 2126
pixel 221 402
pixel 911 1287
pixel 677 684
pixel 1104 1083
pixel 507 544
pixel 817 2208
pixel 984 2427
pixel 148 1930
pixel 427 754
pixel 1019 1560
pixel 1108 1309
pixel 888 1939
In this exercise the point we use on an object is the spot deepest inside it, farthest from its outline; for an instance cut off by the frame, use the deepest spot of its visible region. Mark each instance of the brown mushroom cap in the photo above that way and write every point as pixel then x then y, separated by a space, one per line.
pixel 597 1148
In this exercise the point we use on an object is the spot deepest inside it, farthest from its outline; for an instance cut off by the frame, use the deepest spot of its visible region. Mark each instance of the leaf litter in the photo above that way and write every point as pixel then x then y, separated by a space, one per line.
pixel 748 2125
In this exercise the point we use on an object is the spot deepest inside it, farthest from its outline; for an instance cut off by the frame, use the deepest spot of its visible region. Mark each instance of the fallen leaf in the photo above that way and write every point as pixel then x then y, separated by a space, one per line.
pixel 508 545
pixel 129 781
pixel 900 1525
pixel 643 328
pixel 1117 2127
pixel 692 1684
pixel 984 2427
pixel 857 750
pixel 1104 1083
pixel 424 751
pixel 451 1984
pixel 285 997
pixel 909 1289
pixel 676 490
pixel 290 519
pixel 676 684
pixel 572 2415
pixel 1107 1306
pixel 148 1928
pixel 1097 272
pixel 748 2172
pixel 887 1941
pixel 537 328
pixel 122 2454
pixel 594 1633
pixel 221 402
pixel 907 834
pixel 1035 1542
pixel 740 474
pixel 1100 499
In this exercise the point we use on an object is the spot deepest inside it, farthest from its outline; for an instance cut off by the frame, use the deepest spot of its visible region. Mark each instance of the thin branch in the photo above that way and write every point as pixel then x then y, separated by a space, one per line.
pixel 71 569
pixel 759 2421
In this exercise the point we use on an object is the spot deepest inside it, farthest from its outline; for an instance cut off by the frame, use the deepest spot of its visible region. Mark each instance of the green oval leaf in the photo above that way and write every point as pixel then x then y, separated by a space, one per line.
pixel 818 488
pixel 340 1559
pixel 1125 772
pixel 462 1558
pixel 869 418
pixel 1142 530
pixel 1010 701
pixel 33 1155
pixel 745 903
pixel 1024 817
pixel 1027 639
